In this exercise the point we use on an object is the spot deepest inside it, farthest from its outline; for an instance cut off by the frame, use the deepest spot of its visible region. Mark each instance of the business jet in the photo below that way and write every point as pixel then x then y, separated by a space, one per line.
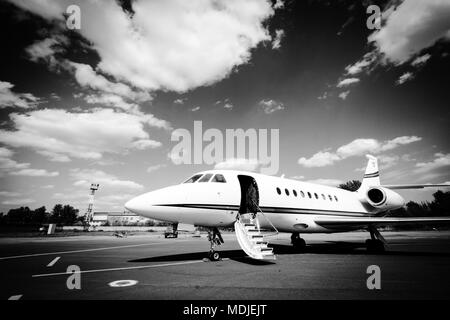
pixel 256 203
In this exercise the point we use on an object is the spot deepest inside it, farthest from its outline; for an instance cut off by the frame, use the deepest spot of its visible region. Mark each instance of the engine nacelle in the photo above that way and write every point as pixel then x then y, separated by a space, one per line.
pixel 383 198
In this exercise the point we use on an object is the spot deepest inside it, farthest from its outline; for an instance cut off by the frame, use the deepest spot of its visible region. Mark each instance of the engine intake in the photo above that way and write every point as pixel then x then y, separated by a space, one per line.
pixel 383 198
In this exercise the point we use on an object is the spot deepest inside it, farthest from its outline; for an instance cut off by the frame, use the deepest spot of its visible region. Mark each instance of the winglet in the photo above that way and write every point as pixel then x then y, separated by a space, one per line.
pixel 371 176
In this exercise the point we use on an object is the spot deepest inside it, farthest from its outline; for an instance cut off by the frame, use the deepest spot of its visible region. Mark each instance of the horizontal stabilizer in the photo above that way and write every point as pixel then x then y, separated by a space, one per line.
pixel 415 186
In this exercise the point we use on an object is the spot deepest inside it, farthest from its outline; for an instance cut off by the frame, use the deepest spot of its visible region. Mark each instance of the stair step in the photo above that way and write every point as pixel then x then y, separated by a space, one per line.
pixel 266 249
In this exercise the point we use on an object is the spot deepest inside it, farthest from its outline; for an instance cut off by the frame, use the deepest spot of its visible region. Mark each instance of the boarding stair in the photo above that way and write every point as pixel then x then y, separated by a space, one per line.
pixel 251 239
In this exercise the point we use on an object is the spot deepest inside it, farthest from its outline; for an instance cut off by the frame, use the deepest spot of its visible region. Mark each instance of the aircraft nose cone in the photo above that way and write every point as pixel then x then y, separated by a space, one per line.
pixel 135 205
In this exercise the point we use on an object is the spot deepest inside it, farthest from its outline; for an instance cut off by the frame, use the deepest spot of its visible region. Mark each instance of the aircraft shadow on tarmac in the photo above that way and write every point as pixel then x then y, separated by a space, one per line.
pixel 330 247
pixel 236 255
pixel 342 247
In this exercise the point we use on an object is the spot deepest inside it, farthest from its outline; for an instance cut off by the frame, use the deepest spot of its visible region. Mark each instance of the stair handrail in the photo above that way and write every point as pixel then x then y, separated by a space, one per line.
pixel 259 209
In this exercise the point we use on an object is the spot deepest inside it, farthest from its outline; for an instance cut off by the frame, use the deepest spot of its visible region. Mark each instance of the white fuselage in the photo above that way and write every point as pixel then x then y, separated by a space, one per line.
pixel 215 204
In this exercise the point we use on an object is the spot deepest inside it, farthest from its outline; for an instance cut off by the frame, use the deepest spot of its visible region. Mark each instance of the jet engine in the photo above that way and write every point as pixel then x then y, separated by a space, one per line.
pixel 383 198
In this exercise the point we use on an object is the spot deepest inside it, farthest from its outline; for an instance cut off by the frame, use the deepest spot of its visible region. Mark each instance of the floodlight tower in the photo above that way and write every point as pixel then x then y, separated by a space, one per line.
pixel 89 213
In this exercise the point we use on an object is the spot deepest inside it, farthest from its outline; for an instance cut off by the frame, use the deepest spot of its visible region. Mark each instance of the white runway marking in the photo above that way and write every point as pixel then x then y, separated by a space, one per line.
pixel 53 262
pixel 17 297
pixel 119 269
pixel 122 283
pixel 83 250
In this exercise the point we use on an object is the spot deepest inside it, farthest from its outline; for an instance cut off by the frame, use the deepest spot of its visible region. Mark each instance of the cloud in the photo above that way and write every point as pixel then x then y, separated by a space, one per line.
pixel 404 77
pixel 61 135
pixel 320 159
pixel 413 26
pixel 276 43
pixel 18 100
pixel 48 186
pixel 367 60
pixel 408 27
pixel 180 101
pixel 441 160
pixel 7 164
pixel 357 147
pixel 111 100
pixel 343 95
pixel 238 164
pixel 9 194
pixel 34 173
pixel 279 4
pixel 228 106
pixel 271 106
pixel 195 109
pixel 45 50
pixel 84 178
pixel 346 82
pixel 326 182
pixel 155 167
pixel 87 77
pixel 18 202
pixel 164 44
pixel 420 60
pixel 298 177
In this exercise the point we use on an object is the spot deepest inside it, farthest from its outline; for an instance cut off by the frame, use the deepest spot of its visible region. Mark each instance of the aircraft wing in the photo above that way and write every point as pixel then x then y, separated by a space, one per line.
pixel 362 222
pixel 414 186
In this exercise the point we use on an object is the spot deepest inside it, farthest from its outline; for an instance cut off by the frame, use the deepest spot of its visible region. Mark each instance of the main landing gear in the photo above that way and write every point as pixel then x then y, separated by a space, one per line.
pixel 215 239
pixel 376 243
pixel 297 242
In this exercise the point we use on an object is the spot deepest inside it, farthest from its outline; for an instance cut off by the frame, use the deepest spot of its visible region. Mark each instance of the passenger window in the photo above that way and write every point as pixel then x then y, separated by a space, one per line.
pixel 331 199
pixel 294 192
pixel 315 195
pixel 193 178
pixel 323 197
pixel 302 193
pixel 278 191
pixel 287 191
pixel 219 178
pixel 335 198
pixel 309 195
pixel 205 178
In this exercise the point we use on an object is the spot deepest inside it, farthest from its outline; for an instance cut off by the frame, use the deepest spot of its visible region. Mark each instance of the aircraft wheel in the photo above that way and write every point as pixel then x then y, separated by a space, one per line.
pixel 299 243
pixel 214 256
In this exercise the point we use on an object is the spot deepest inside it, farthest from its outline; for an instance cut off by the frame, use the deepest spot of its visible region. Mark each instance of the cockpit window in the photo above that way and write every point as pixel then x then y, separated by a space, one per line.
pixel 219 178
pixel 205 178
pixel 193 178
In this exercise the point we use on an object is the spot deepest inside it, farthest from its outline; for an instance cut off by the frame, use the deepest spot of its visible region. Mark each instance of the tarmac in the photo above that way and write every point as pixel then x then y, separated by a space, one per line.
pixel 333 266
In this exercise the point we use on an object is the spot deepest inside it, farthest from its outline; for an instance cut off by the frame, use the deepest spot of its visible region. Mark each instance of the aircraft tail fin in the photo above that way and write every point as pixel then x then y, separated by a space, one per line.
pixel 372 175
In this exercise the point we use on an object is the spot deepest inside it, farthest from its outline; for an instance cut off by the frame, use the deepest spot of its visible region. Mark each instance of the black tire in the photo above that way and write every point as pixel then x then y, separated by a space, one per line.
pixel 299 244
pixel 213 256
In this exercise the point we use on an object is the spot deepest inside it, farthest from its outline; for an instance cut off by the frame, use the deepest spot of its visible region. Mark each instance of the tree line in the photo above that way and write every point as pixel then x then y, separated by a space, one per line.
pixel 24 216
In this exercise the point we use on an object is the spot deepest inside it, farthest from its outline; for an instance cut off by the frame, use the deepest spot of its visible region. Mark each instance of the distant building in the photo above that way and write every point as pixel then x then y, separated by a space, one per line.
pixel 120 219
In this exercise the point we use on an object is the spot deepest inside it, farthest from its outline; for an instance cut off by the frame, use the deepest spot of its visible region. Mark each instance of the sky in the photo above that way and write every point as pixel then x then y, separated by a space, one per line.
pixel 99 103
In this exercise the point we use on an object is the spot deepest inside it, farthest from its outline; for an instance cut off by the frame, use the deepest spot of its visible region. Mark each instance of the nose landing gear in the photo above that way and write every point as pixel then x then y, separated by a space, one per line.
pixel 215 239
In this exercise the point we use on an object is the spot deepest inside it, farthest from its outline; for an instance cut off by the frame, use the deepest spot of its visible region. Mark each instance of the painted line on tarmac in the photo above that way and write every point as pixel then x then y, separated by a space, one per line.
pixel 16 297
pixel 118 269
pixel 51 264
pixel 84 250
